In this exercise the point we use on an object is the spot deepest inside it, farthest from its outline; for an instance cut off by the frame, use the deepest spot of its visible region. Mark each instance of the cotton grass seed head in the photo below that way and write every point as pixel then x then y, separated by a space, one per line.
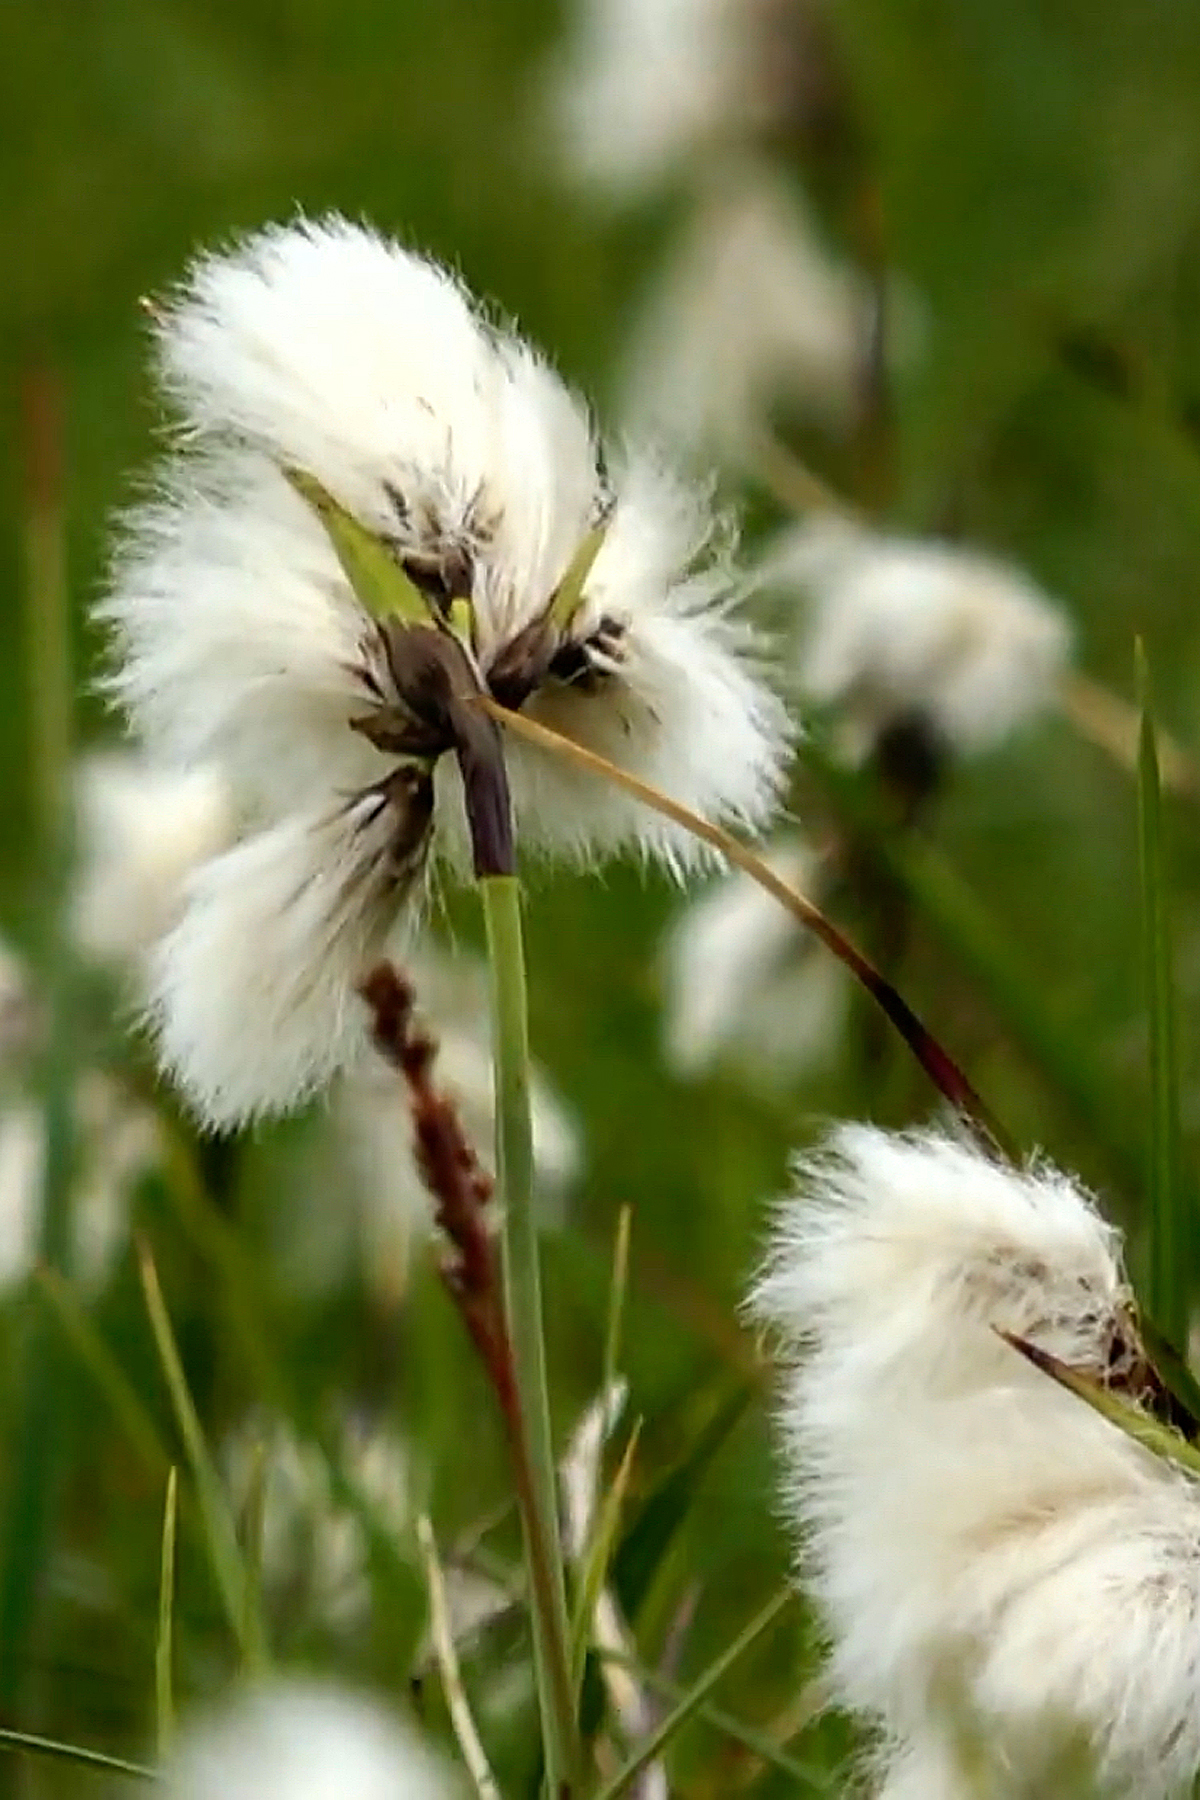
pixel 142 829
pixel 300 1740
pixel 997 1566
pixel 752 314
pixel 324 381
pixel 644 90
pixel 746 985
pixel 893 630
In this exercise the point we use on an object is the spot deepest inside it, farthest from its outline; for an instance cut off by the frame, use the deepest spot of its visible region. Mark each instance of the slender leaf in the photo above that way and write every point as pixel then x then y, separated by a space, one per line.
pixel 654 1527
pixel 229 1571
pixel 594 1572
pixel 1161 1440
pixel 134 1418
pixel 164 1680
pixel 73 1753
pixel 1168 1285
pixel 654 1745
pixel 616 1299
pixel 750 1737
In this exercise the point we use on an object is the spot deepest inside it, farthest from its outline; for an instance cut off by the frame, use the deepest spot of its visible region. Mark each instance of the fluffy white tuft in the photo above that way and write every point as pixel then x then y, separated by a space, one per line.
pixel 237 640
pixel 299 1740
pixel 745 983
pixel 118 1141
pixel 688 708
pixel 240 644
pixel 894 627
pixel 254 992
pixel 142 830
pixel 315 1558
pixel 643 86
pixel 993 1560
pixel 751 313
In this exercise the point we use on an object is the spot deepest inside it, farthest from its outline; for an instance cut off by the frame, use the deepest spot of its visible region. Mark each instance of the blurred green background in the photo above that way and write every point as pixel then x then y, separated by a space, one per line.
pixel 1036 169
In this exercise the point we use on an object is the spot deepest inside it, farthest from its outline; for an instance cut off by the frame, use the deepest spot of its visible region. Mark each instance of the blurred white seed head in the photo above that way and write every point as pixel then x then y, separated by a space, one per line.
pixel 642 89
pixel 314 1553
pixel 745 985
pixel 301 1740
pixel 892 628
pixel 315 1557
pixel 331 351
pixel 142 829
pixel 118 1142
pixel 372 1113
pixel 992 1559
pixel 752 314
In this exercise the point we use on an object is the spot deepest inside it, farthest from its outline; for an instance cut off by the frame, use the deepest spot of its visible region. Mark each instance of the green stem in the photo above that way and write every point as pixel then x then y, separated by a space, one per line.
pixel 530 1425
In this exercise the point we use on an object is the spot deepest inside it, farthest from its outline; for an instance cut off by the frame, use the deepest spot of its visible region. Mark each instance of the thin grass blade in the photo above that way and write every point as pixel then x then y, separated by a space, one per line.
pixel 695 1696
pixel 98 1359
pixel 220 1535
pixel 164 1648
pixel 598 1554
pixel 654 1526
pixel 616 1299
pixel 96 1760
pixel 1168 1258
pixel 750 1737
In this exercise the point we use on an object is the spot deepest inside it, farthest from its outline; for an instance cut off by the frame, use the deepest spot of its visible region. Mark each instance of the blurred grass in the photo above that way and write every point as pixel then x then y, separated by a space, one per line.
pixel 1037 171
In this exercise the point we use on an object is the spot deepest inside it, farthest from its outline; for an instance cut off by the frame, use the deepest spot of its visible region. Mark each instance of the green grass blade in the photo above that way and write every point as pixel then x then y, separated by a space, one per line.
pixel 1167 1264
pixel 695 1696
pixel 653 1528
pixel 220 1535
pixel 597 1555
pixel 164 1677
pixel 73 1753
pixel 95 1356
pixel 219 1244
pixel 616 1299
pixel 736 1730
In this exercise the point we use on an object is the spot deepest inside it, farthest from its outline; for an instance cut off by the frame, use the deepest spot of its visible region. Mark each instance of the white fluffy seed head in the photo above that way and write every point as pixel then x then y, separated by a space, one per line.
pixel 327 349
pixel 118 1141
pixel 745 984
pixel 315 1557
pixel 253 995
pixel 892 628
pixel 644 87
pixel 299 1740
pixel 987 1551
pixel 751 314
pixel 142 829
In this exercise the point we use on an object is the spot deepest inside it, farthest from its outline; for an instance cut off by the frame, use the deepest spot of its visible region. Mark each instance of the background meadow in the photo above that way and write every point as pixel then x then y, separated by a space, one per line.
pixel 1028 175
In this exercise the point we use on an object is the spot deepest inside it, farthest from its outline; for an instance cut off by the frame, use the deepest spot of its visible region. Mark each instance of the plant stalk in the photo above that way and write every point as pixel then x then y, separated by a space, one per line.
pixel 537 1493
